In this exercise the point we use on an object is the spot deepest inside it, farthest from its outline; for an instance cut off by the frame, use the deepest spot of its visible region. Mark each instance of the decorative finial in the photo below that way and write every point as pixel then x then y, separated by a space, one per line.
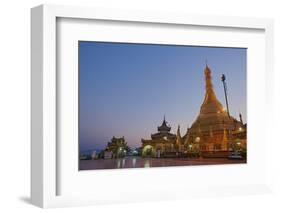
pixel 206 62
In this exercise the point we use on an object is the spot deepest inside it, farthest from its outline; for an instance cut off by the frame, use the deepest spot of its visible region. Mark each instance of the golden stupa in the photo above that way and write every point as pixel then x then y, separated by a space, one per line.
pixel 210 133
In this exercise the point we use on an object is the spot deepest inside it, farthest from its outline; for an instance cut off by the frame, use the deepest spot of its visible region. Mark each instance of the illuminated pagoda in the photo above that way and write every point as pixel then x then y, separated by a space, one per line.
pixel 162 144
pixel 212 131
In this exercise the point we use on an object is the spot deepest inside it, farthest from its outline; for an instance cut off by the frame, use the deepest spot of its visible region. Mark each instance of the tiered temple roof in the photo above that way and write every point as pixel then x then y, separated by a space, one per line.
pixel 164 128
pixel 163 133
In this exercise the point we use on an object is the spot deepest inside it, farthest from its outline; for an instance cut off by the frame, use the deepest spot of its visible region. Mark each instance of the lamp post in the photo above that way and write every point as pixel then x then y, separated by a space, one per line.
pixel 225 92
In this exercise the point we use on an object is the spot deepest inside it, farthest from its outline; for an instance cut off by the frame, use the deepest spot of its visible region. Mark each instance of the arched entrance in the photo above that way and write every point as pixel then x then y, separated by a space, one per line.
pixel 148 151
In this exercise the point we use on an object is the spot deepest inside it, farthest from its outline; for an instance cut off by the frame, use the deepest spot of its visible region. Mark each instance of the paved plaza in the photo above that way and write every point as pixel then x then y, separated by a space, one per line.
pixel 139 162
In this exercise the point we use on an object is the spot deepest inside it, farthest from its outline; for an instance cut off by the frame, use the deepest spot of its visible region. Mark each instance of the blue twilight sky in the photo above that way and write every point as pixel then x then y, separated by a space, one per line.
pixel 126 89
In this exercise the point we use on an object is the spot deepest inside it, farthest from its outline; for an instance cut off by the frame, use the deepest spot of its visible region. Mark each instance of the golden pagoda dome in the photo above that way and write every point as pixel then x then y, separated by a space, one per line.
pixel 212 113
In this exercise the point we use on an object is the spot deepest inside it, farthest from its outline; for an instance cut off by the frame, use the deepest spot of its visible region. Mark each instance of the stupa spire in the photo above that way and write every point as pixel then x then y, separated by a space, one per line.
pixel 210 103
pixel 210 94
pixel 178 139
pixel 240 117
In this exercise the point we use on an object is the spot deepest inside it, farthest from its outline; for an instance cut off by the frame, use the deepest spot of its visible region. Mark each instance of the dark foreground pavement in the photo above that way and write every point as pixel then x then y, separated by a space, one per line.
pixel 138 162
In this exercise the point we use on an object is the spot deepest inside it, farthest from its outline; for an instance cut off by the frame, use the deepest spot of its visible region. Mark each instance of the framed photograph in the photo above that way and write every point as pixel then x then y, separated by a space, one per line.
pixel 130 106
pixel 120 101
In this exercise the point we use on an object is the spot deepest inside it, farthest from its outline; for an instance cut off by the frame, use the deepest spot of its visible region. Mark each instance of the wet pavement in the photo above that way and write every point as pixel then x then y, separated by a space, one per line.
pixel 139 162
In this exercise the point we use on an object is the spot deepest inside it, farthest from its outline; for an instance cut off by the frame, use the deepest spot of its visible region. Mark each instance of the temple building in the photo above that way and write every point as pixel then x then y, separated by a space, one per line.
pixel 163 143
pixel 116 148
pixel 214 129
pixel 214 133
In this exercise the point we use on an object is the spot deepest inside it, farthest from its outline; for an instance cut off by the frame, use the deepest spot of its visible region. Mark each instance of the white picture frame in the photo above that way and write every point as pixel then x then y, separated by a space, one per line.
pixel 44 149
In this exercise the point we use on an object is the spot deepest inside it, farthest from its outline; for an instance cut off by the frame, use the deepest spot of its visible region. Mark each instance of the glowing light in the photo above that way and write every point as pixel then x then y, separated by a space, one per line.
pixel 197 139
pixel 134 162
pixel 146 164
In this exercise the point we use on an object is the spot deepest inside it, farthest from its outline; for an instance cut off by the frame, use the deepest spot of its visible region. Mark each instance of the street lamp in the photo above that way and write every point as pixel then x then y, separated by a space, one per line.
pixel 225 92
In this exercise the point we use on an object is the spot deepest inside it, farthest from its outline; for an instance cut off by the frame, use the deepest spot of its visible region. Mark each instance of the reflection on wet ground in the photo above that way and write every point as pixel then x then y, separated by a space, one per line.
pixel 138 162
